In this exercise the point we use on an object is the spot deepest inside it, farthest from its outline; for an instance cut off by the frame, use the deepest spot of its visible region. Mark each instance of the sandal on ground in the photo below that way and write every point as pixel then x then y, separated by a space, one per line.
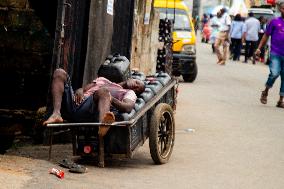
pixel 66 163
pixel 78 169
pixel 263 97
pixel 280 104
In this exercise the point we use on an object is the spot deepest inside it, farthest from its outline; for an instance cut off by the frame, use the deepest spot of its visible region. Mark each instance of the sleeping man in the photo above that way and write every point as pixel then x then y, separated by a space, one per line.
pixel 92 101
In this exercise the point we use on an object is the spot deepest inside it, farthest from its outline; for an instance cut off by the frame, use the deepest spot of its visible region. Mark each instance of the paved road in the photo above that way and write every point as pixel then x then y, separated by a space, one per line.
pixel 224 139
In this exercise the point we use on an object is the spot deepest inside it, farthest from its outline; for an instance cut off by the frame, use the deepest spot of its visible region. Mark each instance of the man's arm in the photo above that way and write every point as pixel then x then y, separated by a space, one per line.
pixel 244 35
pixel 125 105
pixel 79 93
pixel 261 44
pixel 88 86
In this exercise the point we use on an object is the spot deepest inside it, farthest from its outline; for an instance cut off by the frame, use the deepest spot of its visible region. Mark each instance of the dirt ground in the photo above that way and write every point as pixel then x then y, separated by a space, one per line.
pixel 225 138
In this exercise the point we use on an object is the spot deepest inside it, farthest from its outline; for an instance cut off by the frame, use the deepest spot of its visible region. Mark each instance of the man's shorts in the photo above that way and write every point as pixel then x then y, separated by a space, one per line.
pixel 84 112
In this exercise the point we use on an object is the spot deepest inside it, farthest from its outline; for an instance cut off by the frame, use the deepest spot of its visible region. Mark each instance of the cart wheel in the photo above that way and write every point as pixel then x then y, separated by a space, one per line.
pixel 162 133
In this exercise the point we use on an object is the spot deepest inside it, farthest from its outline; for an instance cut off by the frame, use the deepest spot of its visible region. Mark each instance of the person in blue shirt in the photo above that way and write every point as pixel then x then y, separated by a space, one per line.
pixel 250 36
pixel 236 37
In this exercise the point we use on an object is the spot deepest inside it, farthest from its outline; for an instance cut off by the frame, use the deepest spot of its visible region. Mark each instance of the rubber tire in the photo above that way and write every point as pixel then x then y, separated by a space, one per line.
pixel 191 77
pixel 158 113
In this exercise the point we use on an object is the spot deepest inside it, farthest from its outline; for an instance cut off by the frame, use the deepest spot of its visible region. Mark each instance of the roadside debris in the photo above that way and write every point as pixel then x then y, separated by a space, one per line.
pixel 73 167
pixel 59 173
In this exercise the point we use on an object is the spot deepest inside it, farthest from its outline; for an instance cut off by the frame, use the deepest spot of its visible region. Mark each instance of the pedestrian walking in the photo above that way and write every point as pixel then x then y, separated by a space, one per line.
pixel 236 37
pixel 250 36
pixel 275 30
pixel 223 37
pixel 262 21
pixel 215 25
pixel 204 21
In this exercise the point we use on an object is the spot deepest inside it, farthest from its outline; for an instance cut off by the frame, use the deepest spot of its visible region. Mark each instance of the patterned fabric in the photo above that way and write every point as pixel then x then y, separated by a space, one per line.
pixel 115 90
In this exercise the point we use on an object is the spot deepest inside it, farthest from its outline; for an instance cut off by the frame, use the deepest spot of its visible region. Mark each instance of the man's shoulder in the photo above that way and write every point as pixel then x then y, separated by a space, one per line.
pixel 252 20
pixel 101 79
pixel 275 20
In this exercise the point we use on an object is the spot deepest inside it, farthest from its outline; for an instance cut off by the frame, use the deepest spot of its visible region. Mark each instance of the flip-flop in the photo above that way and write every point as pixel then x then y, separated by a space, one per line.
pixel 263 97
pixel 280 104
pixel 78 169
pixel 66 163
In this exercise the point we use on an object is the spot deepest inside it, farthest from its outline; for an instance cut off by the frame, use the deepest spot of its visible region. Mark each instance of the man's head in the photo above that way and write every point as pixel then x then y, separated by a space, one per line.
pixel 238 17
pixel 136 85
pixel 219 14
pixel 280 5
pixel 250 14
pixel 223 10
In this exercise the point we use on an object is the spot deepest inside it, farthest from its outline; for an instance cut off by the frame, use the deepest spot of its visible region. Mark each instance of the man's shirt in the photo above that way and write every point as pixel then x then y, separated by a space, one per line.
pixel 225 22
pixel 275 29
pixel 116 90
pixel 252 28
pixel 237 29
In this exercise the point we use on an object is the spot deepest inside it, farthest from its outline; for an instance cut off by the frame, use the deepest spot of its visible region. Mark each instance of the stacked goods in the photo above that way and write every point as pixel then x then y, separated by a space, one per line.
pixel 116 68
pixel 164 58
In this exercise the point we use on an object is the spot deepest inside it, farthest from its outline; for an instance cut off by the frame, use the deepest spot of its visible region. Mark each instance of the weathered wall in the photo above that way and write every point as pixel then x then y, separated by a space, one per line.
pixel 125 32
pixel 99 38
pixel 25 56
pixel 122 27
pixel 144 39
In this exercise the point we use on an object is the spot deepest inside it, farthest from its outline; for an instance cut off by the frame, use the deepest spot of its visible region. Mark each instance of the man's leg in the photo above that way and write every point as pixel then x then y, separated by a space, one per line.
pixel 225 51
pixel 275 69
pixel 238 49
pixel 247 47
pixel 281 98
pixel 103 99
pixel 217 49
pixel 253 49
pixel 232 48
pixel 57 90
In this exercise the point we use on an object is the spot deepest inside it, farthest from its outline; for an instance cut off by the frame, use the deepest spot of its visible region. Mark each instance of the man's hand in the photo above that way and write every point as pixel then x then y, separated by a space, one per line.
pixel 257 52
pixel 79 96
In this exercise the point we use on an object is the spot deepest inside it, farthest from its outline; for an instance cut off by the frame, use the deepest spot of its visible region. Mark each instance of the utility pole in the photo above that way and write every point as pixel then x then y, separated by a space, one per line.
pixel 195 8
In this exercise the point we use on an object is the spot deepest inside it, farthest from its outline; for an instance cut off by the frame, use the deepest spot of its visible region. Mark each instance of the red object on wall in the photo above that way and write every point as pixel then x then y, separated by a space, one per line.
pixel 271 2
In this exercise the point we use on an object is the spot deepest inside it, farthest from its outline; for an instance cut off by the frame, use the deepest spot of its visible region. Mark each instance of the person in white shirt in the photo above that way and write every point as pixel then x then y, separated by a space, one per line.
pixel 250 36
pixel 214 24
pixel 223 37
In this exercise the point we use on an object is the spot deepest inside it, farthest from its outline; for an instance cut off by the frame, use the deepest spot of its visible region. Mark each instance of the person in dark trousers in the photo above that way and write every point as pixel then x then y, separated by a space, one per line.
pixel 250 36
pixel 236 31
pixel 262 21
pixel 275 30
pixel 95 98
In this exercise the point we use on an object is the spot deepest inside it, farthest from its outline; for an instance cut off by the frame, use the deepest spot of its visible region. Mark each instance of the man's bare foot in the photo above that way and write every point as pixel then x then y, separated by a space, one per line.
pixel 108 118
pixel 54 118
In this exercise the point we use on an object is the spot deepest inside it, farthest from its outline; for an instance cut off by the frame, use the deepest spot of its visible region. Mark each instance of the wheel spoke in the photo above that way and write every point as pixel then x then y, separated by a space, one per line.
pixel 166 123
pixel 162 146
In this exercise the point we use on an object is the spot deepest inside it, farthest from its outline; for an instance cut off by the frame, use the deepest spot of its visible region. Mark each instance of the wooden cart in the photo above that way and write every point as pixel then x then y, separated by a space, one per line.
pixel 155 120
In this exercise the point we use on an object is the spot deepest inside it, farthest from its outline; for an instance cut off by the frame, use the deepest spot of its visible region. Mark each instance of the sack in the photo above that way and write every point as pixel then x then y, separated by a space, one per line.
pixel 116 68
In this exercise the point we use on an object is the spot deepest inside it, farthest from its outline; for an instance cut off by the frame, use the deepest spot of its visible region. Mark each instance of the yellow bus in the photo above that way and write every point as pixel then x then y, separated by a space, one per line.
pixel 184 39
